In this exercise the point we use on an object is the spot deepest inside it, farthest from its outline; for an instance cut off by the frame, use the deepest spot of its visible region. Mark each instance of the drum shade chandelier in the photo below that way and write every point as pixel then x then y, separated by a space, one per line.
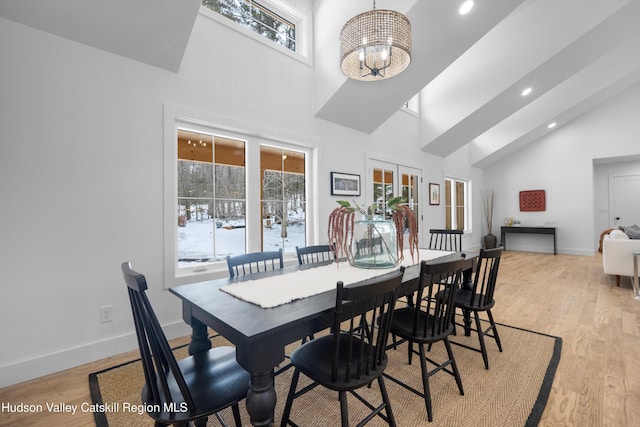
pixel 375 45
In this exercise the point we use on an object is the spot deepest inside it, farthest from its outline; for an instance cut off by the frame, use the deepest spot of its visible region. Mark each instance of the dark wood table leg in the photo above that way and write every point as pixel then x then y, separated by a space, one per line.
pixel 467 284
pixel 199 337
pixel 261 399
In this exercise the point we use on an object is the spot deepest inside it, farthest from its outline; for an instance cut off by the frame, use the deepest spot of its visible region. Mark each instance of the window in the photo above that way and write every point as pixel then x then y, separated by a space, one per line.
pixel 283 198
pixel 255 16
pixel 456 204
pixel 228 194
pixel 211 198
pixel 412 106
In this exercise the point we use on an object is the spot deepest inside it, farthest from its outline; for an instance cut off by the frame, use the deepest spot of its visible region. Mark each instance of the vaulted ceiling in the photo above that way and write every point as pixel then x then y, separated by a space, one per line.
pixel 470 70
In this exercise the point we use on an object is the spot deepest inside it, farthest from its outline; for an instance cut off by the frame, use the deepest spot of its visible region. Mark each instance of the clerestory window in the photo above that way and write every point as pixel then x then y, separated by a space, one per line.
pixel 260 17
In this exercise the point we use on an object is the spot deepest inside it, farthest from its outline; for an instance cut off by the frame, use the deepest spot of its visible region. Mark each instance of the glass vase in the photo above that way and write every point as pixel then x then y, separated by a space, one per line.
pixel 374 244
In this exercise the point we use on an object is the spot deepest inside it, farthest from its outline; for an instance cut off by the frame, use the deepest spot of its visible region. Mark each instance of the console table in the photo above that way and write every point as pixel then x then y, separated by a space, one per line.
pixel 528 230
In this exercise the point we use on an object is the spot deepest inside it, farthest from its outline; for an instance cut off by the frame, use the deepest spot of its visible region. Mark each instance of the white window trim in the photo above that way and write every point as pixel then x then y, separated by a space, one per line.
pixel 302 21
pixel 175 117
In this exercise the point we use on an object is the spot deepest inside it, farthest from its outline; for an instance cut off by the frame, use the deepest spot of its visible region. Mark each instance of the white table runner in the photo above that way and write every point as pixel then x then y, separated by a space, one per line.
pixel 273 291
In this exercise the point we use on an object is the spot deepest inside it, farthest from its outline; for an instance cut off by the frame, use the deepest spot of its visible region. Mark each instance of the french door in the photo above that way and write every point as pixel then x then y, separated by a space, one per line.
pixel 388 180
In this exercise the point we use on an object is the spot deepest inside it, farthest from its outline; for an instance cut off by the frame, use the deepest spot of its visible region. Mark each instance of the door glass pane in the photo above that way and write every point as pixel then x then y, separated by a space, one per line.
pixel 410 195
pixel 382 189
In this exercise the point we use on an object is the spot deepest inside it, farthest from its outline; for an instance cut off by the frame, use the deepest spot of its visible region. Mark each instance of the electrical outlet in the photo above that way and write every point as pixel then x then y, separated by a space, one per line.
pixel 106 313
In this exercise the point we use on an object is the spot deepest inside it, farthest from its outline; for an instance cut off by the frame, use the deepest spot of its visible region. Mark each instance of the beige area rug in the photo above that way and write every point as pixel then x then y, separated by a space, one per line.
pixel 513 392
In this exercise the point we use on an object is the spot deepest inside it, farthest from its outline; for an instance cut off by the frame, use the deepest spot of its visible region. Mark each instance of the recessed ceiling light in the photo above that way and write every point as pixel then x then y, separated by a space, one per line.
pixel 527 91
pixel 466 7
pixel 552 125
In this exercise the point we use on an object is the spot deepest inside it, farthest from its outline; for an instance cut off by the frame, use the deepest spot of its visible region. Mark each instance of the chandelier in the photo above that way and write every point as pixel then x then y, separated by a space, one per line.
pixel 375 45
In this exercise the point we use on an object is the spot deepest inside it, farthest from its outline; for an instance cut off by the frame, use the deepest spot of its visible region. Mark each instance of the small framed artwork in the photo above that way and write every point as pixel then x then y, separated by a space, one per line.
pixel 345 184
pixel 434 194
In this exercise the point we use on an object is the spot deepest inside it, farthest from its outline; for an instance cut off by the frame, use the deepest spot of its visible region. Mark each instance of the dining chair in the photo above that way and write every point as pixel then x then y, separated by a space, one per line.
pixel 430 322
pixel 180 391
pixel 354 355
pixel 480 299
pixel 445 240
pixel 315 254
pixel 254 262
pixel 369 246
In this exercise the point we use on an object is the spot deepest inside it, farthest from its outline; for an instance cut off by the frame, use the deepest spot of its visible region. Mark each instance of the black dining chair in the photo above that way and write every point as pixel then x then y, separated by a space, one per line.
pixel 445 240
pixel 354 355
pixel 480 299
pixel 254 262
pixel 430 322
pixel 180 391
pixel 369 246
pixel 315 254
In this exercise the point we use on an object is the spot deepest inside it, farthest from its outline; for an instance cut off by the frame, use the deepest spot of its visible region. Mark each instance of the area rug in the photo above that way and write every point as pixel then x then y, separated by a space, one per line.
pixel 513 392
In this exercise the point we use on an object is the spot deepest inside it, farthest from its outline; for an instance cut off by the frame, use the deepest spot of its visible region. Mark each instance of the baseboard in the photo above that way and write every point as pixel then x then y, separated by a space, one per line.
pixel 574 251
pixel 59 361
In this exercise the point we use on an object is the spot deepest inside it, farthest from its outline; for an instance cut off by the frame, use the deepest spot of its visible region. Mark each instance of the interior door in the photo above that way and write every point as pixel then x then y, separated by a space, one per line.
pixel 626 200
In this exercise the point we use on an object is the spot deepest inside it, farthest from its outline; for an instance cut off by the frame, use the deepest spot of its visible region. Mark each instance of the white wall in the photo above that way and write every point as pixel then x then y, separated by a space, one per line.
pixel 562 164
pixel 81 176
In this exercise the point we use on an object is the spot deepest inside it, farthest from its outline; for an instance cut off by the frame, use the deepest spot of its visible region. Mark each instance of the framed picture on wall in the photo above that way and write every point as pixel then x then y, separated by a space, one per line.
pixel 434 194
pixel 345 184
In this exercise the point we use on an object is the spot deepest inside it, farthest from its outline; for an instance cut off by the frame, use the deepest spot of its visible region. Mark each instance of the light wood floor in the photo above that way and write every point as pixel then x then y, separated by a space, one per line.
pixel 597 382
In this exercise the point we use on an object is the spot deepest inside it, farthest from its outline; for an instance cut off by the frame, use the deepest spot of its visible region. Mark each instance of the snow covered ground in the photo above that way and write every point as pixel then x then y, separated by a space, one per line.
pixel 195 241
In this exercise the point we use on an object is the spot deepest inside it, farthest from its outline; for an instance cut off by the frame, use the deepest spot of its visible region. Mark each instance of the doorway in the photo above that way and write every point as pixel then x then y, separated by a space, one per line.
pixel 625 200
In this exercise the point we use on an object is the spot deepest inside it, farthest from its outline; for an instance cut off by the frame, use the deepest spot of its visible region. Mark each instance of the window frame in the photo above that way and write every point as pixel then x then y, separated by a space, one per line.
pixel 176 117
pixel 301 19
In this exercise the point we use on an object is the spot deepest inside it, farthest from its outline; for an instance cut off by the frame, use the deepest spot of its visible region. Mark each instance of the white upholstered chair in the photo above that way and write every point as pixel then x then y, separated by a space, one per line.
pixel 616 254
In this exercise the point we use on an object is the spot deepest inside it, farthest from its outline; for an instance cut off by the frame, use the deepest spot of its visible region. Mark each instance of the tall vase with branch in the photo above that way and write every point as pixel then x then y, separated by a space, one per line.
pixel 371 242
pixel 488 199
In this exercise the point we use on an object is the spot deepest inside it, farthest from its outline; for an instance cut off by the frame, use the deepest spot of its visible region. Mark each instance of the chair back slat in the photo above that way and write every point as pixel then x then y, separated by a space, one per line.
pixel 369 307
pixel 484 282
pixel 445 240
pixel 315 254
pixel 159 363
pixel 255 263
pixel 437 286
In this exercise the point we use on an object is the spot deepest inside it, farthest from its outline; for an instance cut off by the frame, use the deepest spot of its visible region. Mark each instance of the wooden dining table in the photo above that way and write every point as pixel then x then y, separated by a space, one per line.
pixel 261 334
